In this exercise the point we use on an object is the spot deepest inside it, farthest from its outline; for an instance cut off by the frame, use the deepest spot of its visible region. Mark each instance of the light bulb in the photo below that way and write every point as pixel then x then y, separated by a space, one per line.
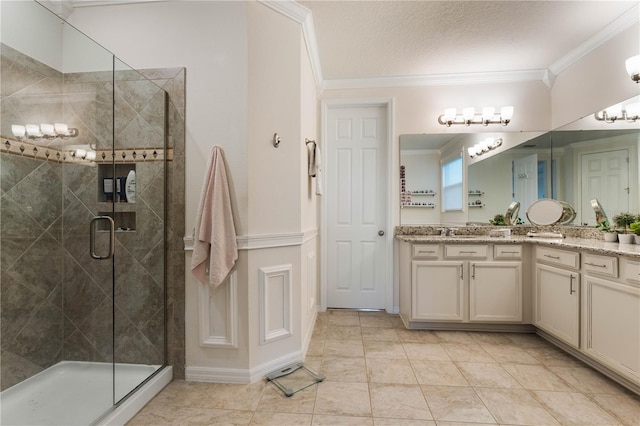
pixel 633 67
pixel 633 110
pixel 468 113
pixel 450 114
pixel 33 131
pixel 472 151
pixel 48 130
pixel 18 130
pixel 61 129
pixel 614 112
pixel 81 153
pixel 91 155
pixel 488 113
pixel 506 112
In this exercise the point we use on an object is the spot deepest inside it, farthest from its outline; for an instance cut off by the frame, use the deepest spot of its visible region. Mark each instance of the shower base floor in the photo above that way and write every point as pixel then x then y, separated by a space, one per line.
pixel 70 393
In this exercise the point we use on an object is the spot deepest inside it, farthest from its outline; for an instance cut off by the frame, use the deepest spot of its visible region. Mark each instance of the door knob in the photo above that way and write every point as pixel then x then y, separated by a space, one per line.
pixel 381 232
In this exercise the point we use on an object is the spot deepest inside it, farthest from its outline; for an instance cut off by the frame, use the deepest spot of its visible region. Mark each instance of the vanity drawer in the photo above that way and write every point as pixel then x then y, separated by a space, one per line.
pixel 425 251
pixel 568 259
pixel 466 251
pixel 507 251
pixel 601 265
pixel 632 271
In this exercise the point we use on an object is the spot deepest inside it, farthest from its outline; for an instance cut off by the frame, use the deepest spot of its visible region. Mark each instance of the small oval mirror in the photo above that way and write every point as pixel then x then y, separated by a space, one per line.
pixel 547 211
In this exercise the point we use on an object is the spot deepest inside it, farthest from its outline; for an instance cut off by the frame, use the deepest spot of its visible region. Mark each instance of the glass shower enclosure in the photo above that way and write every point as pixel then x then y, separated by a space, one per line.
pixel 82 223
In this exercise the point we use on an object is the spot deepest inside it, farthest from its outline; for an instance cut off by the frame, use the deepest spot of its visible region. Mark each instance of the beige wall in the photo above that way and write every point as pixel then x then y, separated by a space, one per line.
pixel 274 107
pixel 210 40
pixel 596 81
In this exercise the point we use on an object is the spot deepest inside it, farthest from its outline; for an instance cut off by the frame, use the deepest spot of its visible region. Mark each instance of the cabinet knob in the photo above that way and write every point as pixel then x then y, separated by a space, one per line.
pixel 381 232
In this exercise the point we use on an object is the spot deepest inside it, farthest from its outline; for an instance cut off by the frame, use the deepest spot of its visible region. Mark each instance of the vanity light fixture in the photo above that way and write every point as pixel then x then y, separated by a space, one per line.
pixel 629 113
pixel 469 116
pixel 484 146
pixel 633 68
pixel 46 131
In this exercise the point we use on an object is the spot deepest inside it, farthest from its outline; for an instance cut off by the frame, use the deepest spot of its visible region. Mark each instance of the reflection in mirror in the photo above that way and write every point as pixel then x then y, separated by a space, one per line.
pixel 523 174
pixel 511 216
pixel 599 160
pixel 488 192
pixel 420 178
pixel 601 216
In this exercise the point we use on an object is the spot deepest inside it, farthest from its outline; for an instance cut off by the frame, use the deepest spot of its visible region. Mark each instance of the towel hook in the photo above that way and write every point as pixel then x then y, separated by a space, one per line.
pixel 276 140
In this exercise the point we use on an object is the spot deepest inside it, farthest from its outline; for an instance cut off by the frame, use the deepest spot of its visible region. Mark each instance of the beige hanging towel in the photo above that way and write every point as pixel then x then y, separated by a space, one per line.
pixel 215 250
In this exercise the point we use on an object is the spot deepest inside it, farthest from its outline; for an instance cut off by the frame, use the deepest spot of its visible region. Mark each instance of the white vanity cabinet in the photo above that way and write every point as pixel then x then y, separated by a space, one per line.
pixel 464 283
pixel 611 317
pixel 495 292
pixel 437 290
pixel 557 294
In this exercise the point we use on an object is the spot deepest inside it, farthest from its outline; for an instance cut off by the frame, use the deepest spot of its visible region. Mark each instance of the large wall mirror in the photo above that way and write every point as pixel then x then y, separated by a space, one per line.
pixel 581 161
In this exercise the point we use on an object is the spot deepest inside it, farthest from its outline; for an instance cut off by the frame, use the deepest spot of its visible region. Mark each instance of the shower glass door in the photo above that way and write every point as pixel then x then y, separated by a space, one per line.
pixel 139 214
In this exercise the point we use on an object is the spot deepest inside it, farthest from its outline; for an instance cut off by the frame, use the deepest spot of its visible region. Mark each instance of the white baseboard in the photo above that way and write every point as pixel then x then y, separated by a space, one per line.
pixel 240 375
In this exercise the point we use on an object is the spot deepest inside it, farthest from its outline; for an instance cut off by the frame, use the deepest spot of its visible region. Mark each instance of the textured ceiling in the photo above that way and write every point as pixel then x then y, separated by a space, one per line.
pixel 378 39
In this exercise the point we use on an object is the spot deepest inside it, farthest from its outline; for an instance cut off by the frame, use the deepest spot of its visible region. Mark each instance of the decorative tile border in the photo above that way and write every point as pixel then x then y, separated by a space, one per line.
pixel 129 155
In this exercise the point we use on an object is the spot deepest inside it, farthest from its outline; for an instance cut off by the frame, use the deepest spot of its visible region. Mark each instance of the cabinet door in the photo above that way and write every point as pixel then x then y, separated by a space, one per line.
pixel 495 292
pixel 437 291
pixel 557 303
pixel 612 325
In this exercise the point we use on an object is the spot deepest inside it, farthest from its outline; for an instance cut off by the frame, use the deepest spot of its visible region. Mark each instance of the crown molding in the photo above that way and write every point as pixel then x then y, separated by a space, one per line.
pixel 549 78
pixel 288 8
pixel 303 16
pixel 91 3
pixel 436 79
pixel 607 33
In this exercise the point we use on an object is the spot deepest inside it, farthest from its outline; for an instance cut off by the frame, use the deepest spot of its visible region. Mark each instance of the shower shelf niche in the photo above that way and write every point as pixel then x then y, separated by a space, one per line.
pixel 108 186
pixel 111 197
pixel 124 221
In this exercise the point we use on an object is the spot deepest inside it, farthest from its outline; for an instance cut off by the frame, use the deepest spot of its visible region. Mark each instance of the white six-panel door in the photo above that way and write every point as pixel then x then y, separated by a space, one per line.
pixel 605 176
pixel 356 142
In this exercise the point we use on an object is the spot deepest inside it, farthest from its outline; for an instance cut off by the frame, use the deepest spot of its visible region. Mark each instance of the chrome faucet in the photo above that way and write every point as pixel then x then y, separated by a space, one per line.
pixel 443 232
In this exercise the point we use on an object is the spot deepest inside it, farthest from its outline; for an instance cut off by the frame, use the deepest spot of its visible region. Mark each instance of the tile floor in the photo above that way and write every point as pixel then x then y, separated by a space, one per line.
pixel 379 373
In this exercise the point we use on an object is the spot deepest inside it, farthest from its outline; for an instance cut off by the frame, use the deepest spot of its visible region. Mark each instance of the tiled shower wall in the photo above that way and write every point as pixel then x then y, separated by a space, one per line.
pixel 56 301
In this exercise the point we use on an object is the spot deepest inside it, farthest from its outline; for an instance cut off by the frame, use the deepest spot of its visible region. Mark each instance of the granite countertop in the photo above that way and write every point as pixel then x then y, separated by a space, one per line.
pixel 596 246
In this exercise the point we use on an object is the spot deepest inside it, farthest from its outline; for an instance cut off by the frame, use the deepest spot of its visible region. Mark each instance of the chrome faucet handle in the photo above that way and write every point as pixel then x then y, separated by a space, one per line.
pixel 452 231
pixel 443 232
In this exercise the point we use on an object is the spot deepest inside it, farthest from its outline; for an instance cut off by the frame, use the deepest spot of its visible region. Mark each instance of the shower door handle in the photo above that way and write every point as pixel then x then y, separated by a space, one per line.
pixel 92 237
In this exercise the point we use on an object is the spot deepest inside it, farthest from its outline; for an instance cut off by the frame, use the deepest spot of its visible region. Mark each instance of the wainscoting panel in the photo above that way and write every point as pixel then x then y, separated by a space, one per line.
pixel 275 303
pixel 218 314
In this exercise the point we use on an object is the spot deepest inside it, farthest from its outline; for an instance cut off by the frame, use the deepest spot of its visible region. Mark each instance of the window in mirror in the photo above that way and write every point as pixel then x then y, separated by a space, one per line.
pixel 546 181
pixel 452 178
